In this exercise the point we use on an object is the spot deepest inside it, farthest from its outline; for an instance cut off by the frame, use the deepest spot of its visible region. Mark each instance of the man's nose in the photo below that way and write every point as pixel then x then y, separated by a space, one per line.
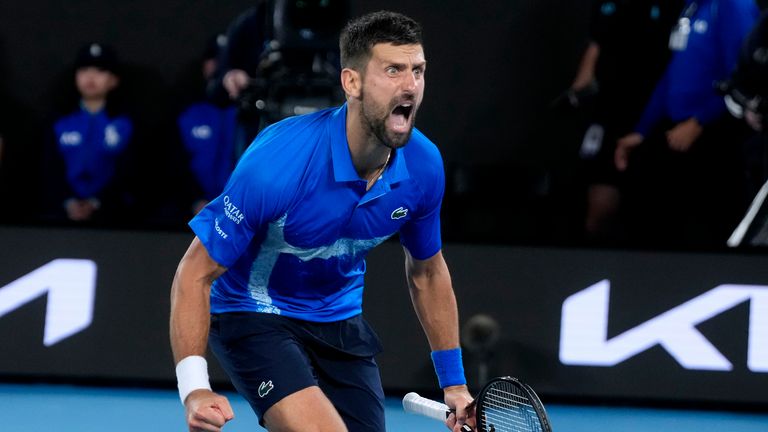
pixel 410 81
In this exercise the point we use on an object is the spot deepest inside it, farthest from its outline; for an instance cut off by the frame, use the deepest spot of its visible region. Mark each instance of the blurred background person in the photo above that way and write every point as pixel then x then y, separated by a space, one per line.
pixel 281 59
pixel 90 165
pixel 682 159
pixel 625 55
pixel 206 130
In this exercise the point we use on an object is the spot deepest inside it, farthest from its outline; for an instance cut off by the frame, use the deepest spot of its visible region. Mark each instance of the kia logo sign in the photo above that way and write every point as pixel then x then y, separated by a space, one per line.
pixel 584 329
pixel 70 285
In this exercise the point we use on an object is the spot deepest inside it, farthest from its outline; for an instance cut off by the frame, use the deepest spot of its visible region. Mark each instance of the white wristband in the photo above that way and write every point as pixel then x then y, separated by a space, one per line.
pixel 192 374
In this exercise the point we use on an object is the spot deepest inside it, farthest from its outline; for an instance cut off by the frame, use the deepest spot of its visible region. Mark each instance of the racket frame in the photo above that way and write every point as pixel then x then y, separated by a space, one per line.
pixel 414 403
pixel 538 407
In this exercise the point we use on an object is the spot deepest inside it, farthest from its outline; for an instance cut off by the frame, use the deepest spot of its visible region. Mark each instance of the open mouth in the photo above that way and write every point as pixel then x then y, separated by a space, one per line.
pixel 401 115
pixel 403 110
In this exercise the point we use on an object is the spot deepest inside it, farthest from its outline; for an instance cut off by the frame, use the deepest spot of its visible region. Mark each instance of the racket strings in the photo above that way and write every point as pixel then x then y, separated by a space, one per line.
pixel 507 408
pixel 504 421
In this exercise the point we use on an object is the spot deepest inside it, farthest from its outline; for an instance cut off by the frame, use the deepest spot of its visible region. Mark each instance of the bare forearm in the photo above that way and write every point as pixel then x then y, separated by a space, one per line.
pixel 190 310
pixel 438 316
pixel 190 303
pixel 189 319
pixel 435 303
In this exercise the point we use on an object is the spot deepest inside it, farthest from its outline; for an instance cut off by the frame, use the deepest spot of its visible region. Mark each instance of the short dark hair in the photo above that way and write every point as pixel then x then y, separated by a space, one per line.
pixel 362 33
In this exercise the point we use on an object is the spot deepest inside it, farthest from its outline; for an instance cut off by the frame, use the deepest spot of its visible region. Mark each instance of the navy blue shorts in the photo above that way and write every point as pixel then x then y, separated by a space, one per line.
pixel 269 357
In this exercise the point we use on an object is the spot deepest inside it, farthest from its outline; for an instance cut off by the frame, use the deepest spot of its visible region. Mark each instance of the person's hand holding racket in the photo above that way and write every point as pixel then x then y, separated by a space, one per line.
pixel 462 406
pixel 207 411
pixel 505 404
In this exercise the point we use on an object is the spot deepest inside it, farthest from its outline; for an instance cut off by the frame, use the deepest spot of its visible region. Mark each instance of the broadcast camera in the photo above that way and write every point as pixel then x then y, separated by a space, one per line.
pixel 299 69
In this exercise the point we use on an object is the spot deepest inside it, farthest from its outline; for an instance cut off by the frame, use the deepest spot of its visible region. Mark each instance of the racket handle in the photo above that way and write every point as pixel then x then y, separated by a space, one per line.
pixel 413 403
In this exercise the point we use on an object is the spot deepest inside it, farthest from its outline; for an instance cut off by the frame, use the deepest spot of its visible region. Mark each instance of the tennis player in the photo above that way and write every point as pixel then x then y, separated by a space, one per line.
pixel 273 280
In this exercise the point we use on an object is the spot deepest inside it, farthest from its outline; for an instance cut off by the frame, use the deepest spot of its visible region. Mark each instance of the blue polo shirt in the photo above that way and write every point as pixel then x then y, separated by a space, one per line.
pixel 295 223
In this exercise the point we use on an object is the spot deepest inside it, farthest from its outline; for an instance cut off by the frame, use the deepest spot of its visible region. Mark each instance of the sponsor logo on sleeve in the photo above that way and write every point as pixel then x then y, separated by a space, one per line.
pixel 219 230
pixel 231 211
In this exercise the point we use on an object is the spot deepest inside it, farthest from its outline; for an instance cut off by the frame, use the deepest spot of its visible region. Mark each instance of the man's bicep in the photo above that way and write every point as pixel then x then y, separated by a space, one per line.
pixel 421 236
pixel 423 267
pixel 199 264
pixel 227 224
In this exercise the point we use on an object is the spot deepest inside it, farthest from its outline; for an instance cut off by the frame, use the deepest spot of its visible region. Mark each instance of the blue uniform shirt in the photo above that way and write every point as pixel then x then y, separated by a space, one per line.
pixel 687 89
pixel 91 145
pixel 295 223
pixel 207 132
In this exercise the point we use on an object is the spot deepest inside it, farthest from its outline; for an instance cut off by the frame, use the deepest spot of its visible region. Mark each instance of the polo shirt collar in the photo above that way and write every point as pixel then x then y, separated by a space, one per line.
pixel 343 169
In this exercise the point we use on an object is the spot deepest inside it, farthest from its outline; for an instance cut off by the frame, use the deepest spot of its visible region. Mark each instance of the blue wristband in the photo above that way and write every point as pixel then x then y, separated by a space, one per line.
pixel 448 366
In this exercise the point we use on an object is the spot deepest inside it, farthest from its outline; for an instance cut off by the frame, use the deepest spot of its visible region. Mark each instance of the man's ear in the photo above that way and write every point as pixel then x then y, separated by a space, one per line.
pixel 351 82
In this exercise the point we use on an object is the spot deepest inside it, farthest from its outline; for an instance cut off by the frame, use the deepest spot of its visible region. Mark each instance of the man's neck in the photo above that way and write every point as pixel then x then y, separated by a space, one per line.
pixel 368 153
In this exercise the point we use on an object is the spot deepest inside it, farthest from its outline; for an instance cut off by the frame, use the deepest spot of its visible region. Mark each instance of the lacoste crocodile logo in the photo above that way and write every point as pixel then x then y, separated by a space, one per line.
pixel 399 213
pixel 265 388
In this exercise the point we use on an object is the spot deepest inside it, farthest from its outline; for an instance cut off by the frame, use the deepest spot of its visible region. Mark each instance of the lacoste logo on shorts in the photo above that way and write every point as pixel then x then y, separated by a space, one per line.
pixel 265 388
pixel 399 213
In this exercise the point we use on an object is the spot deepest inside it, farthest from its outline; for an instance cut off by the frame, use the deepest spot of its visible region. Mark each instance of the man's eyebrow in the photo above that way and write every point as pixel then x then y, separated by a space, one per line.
pixel 400 65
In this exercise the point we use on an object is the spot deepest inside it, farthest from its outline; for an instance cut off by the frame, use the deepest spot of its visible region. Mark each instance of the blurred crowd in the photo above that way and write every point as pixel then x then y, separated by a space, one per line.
pixel 667 96
pixel 664 164
pixel 111 156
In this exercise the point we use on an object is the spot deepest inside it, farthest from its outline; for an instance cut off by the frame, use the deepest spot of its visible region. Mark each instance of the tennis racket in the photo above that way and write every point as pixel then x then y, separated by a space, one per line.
pixel 504 405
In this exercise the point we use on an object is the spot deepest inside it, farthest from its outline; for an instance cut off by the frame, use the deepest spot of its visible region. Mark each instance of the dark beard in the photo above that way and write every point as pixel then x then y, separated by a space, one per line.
pixel 374 124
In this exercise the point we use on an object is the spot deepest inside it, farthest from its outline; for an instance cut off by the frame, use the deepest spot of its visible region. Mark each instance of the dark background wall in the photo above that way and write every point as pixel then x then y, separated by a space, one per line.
pixel 494 68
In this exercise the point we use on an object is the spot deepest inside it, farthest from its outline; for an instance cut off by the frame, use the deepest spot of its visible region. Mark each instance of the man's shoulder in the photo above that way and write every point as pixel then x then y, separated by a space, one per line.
pixel 421 145
pixel 296 127
pixel 285 144
pixel 423 159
